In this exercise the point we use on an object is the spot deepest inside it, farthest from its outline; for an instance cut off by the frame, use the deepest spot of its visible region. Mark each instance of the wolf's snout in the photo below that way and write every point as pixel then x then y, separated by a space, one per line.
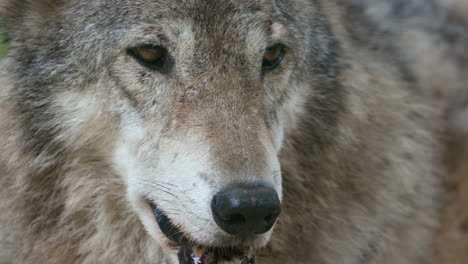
pixel 243 209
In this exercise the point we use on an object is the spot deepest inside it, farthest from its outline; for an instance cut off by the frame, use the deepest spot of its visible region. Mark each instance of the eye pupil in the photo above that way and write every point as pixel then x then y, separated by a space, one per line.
pixel 150 56
pixel 273 57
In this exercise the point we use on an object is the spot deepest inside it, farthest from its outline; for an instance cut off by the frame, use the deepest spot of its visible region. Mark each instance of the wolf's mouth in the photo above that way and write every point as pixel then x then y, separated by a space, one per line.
pixel 192 253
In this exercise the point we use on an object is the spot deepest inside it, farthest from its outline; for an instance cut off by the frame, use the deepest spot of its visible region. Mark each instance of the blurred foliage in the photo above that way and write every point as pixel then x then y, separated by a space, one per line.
pixel 3 43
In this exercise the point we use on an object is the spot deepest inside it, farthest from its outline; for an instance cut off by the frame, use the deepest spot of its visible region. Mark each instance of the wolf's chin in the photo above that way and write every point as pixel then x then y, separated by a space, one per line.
pixel 192 252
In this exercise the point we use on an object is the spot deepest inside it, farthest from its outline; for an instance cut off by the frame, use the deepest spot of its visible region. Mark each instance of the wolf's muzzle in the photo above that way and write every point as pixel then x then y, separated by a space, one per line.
pixel 246 209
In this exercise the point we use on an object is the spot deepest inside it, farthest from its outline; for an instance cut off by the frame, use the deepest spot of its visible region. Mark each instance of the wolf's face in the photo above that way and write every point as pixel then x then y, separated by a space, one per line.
pixel 200 133
pixel 190 100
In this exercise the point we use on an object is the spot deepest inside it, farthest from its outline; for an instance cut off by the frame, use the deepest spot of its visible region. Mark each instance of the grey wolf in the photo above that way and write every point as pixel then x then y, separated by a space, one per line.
pixel 156 131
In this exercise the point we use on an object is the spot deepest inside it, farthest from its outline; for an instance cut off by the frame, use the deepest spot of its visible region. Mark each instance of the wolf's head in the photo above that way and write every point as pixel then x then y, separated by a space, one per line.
pixel 187 101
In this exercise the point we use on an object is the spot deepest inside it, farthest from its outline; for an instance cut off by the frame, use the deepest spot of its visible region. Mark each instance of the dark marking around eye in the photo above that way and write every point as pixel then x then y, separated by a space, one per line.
pixel 124 91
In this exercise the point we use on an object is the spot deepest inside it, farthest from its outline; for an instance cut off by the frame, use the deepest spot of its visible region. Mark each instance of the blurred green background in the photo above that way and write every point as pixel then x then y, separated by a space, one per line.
pixel 3 44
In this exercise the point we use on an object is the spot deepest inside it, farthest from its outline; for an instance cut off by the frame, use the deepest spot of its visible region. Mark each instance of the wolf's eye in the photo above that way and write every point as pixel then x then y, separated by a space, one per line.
pixel 153 57
pixel 273 57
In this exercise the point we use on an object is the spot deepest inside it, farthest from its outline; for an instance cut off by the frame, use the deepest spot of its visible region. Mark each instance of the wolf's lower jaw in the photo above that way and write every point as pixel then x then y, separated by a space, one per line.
pixel 191 252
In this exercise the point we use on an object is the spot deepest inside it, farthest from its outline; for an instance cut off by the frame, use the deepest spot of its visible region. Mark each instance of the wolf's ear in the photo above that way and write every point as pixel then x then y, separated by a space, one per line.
pixel 16 14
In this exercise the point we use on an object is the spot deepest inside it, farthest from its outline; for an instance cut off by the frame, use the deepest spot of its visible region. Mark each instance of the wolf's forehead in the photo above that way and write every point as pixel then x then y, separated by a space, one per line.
pixel 209 16
pixel 207 8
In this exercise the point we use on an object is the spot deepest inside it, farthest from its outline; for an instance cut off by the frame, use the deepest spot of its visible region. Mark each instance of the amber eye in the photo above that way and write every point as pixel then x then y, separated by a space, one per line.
pixel 153 57
pixel 273 57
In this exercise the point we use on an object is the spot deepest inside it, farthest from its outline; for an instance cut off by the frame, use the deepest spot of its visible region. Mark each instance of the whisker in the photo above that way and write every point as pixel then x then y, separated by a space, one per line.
pixel 155 183
pixel 159 188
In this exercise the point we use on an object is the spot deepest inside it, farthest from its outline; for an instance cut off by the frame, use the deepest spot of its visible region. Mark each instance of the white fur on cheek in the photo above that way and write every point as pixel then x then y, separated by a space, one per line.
pixel 131 169
pixel 168 176
pixel 84 118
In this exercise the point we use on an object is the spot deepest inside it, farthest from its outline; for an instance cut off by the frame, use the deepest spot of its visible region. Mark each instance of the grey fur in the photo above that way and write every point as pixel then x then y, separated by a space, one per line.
pixel 361 157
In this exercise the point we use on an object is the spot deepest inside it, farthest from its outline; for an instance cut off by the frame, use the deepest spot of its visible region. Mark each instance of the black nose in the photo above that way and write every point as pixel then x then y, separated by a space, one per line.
pixel 246 209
